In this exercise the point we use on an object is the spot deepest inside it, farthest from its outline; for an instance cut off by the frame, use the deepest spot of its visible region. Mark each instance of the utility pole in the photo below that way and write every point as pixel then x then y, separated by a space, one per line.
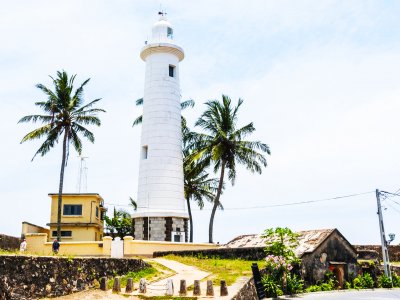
pixel 385 253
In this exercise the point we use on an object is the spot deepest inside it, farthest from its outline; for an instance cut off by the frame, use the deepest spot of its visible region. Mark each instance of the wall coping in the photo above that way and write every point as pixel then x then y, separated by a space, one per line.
pixel 173 243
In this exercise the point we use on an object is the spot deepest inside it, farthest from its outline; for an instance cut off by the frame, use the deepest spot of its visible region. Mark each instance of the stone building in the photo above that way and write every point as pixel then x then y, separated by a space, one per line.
pixel 320 251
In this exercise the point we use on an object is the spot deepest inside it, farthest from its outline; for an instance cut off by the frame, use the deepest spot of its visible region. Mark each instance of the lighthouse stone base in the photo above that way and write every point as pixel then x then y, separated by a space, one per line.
pixel 169 229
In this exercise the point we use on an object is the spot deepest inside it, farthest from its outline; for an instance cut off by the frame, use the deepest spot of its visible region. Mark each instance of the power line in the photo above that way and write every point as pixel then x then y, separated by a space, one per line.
pixel 283 204
pixel 393 207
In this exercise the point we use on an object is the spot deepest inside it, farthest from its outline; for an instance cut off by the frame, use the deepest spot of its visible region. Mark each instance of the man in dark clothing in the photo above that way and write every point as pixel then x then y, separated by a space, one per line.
pixel 56 246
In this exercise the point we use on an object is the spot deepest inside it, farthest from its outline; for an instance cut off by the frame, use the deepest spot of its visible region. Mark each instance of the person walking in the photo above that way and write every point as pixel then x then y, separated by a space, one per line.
pixel 22 247
pixel 56 246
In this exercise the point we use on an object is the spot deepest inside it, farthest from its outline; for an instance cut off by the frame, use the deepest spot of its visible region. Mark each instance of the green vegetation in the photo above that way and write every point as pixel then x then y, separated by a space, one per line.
pixel 155 272
pixel 63 118
pixel 280 261
pixel 9 252
pixel 120 224
pixel 222 269
pixel 223 145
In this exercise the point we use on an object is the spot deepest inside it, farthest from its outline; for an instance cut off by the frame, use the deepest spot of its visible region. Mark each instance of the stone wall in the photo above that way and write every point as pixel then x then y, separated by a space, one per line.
pixel 26 277
pixel 227 253
pixel 394 250
pixel 248 291
pixel 9 242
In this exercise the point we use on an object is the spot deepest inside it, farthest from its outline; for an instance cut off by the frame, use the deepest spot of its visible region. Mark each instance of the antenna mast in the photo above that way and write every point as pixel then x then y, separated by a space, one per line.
pixel 82 176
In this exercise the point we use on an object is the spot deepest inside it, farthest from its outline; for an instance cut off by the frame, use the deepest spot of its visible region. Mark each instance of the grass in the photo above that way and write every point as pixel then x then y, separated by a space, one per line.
pixel 153 273
pixel 222 269
pixel 395 263
pixel 9 252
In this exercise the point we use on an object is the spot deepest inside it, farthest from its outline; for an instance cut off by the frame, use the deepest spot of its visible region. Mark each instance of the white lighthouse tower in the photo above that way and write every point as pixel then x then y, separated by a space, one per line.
pixel 161 213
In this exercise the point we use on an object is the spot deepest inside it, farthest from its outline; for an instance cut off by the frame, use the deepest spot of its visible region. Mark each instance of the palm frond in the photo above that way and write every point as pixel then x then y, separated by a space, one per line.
pixel 35 118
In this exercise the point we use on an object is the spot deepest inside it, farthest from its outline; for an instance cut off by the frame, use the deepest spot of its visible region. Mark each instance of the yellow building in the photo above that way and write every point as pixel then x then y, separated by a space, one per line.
pixel 82 217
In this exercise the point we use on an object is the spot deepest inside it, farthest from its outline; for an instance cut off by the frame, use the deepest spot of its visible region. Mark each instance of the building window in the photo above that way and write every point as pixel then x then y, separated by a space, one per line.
pixel 72 210
pixel 97 212
pixel 170 33
pixel 171 71
pixel 67 233
pixel 177 238
pixel 145 151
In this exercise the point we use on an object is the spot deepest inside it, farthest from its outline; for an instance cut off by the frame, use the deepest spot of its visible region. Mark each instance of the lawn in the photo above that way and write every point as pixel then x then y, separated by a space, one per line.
pixel 222 269
pixel 154 273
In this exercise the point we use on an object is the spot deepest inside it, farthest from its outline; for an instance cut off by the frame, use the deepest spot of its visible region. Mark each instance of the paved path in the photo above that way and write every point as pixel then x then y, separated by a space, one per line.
pixel 158 288
pixel 378 294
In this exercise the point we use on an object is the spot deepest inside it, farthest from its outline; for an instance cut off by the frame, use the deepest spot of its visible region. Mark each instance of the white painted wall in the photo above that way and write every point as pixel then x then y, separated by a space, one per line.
pixel 160 189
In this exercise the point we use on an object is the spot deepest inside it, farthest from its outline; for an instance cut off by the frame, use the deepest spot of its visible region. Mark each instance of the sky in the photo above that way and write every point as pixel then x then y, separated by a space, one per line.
pixel 319 79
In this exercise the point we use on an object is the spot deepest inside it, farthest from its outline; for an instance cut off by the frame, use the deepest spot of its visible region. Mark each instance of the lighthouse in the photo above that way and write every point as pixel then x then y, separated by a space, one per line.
pixel 161 214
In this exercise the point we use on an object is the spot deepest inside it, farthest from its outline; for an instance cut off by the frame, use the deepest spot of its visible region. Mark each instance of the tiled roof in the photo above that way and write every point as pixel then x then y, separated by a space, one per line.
pixel 309 240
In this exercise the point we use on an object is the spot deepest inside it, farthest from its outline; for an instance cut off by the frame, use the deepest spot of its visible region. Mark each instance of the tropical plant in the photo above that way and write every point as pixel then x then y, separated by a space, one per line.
pixel 224 145
pixel 64 118
pixel 184 104
pixel 281 242
pixel 120 224
pixel 133 203
pixel 385 282
pixel 197 185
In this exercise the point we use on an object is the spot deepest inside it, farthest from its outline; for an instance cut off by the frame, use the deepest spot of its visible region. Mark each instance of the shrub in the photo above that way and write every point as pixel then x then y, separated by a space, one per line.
pixel 313 288
pixel 294 284
pixel 396 280
pixel 271 287
pixel 357 283
pixel 384 282
pixel 347 285
pixel 366 281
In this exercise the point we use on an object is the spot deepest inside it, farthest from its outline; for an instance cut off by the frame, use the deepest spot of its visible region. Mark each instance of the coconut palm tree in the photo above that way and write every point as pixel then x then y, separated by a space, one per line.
pixel 64 117
pixel 223 145
pixel 197 185
pixel 184 104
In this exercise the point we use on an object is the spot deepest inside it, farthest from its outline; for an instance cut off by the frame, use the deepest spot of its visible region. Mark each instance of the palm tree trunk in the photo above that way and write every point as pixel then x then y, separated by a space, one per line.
pixel 60 188
pixel 190 220
pixel 216 202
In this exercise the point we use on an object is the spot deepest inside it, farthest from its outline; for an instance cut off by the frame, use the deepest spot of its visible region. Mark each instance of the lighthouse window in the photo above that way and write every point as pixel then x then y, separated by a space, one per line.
pixel 171 71
pixel 169 33
pixel 145 150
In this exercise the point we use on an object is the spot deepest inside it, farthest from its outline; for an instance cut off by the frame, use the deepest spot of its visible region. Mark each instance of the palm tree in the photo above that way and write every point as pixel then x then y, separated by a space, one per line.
pixel 64 116
pixel 223 145
pixel 197 185
pixel 184 104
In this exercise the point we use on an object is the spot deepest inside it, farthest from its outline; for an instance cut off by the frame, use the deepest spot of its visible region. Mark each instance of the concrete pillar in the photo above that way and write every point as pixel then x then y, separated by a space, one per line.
pixel 169 288
pixel 224 288
pixel 117 285
pixel 107 245
pixel 103 283
pixel 127 245
pixel 129 286
pixel 196 288
pixel 182 288
pixel 142 286
pixel 210 288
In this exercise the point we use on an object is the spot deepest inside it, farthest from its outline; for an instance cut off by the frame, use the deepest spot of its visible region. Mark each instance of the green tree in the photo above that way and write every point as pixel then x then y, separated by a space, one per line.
pixel 224 145
pixel 281 242
pixel 64 117
pixel 197 185
pixel 120 224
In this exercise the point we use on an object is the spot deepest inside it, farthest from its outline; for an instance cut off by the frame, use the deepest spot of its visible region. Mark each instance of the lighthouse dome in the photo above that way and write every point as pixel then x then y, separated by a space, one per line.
pixel 162 30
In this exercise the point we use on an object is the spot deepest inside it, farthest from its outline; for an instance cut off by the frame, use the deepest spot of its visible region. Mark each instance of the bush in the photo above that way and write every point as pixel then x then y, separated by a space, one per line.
pixel 366 281
pixel 384 282
pixel 396 280
pixel 271 287
pixel 346 285
pixel 357 283
pixel 313 288
pixel 294 284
